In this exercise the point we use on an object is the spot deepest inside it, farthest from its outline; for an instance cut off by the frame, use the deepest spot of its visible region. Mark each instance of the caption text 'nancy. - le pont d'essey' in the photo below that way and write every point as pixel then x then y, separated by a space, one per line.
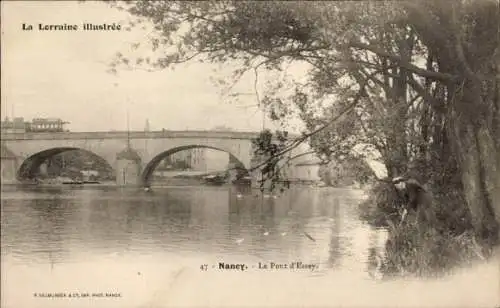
pixel 269 266
pixel 77 294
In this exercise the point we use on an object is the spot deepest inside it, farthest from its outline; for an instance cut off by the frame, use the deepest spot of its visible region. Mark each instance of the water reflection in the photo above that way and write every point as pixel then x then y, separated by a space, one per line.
pixel 335 248
pixel 49 236
pixel 69 225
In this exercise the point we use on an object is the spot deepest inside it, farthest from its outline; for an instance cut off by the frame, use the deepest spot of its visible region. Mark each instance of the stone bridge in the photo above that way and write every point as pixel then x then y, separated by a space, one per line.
pixel 131 154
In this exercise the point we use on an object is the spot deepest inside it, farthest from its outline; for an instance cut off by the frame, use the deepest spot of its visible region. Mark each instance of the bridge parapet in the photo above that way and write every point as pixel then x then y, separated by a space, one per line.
pixel 131 135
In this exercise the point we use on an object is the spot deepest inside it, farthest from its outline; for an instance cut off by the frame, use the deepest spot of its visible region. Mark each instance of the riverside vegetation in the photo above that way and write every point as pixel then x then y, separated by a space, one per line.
pixel 416 82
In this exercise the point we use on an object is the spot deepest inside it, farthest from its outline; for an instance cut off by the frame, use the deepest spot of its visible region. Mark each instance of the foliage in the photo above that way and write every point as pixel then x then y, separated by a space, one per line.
pixel 415 82
pixel 426 252
pixel 330 39
pixel 423 244
pixel 79 160
pixel 268 151
pixel 346 172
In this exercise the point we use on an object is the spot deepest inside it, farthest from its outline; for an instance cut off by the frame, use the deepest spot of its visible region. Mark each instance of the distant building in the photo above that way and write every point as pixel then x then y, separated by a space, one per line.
pixel 89 174
pixel 306 169
pixel 198 161
pixel 175 158
pixel 308 172
pixel 18 125
pixel 47 125
pixel 193 159
pixel 217 160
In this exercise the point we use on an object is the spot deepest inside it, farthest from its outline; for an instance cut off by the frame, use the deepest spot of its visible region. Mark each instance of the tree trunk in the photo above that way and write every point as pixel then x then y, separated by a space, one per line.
pixel 480 179
pixel 490 159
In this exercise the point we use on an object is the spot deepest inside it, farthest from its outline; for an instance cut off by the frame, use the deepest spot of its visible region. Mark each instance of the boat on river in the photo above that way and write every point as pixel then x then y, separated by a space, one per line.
pixel 217 180
pixel 80 182
pixel 246 180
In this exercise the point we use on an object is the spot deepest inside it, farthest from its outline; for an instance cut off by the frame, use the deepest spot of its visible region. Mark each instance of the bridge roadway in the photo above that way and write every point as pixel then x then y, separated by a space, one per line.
pixel 132 135
pixel 132 155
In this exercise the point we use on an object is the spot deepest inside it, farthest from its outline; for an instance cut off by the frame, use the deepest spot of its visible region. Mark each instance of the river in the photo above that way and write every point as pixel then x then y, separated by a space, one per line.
pixel 116 247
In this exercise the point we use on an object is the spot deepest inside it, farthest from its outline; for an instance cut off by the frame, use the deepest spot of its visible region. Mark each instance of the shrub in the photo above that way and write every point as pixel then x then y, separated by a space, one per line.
pixel 428 242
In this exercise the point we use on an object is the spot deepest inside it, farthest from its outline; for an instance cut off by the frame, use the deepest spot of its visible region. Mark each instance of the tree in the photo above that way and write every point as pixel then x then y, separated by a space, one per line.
pixel 419 82
pixel 345 173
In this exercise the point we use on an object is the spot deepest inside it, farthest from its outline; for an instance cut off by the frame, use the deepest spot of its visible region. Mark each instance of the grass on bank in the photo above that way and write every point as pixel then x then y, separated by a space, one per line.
pixel 428 243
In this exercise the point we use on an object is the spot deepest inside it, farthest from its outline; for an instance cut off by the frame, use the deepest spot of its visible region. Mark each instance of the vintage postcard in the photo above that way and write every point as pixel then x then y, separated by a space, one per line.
pixel 250 154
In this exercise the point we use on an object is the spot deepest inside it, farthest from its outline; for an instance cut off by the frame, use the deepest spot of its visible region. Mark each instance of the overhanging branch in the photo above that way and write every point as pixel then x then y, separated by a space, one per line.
pixel 413 68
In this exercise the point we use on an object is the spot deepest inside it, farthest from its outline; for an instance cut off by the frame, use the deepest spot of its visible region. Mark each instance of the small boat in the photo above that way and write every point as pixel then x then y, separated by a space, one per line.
pixel 73 182
pixel 214 180
pixel 246 180
pixel 91 182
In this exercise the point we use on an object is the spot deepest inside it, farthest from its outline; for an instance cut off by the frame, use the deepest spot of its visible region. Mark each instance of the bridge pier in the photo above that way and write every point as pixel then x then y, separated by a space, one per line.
pixel 232 172
pixel 128 168
pixel 8 165
pixel 256 174
pixel 8 171
pixel 236 171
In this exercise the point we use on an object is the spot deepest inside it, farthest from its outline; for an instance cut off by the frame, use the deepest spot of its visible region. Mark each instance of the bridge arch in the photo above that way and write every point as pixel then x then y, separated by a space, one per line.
pixel 32 164
pixel 153 163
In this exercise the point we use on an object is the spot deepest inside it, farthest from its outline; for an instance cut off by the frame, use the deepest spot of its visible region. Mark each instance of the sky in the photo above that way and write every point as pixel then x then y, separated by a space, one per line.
pixel 63 74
